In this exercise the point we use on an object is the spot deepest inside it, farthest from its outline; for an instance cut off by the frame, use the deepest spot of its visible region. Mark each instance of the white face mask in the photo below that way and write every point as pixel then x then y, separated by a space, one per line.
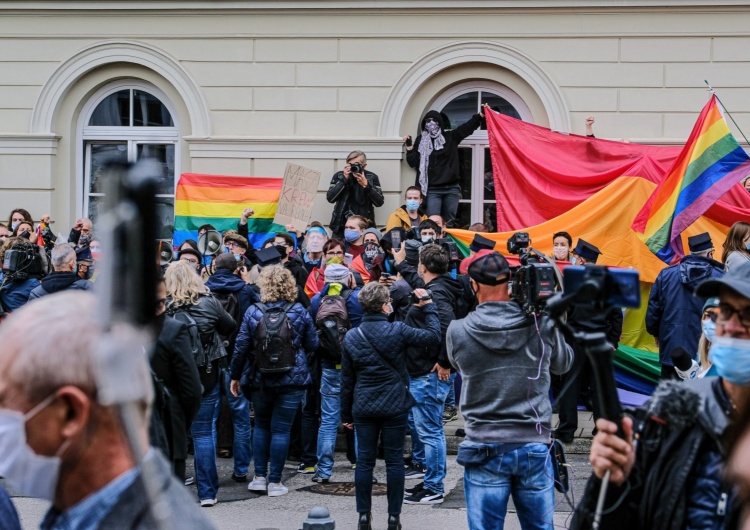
pixel 30 474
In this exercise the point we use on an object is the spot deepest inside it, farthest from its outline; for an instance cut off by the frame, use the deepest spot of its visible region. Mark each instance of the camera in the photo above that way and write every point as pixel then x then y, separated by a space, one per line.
pixel 22 262
pixel 535 280
pixel 356 167
pixel 451 248
pixel 414 299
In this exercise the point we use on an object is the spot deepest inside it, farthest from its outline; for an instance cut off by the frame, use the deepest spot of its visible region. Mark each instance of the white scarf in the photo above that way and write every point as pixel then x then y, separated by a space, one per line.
pixel 432 133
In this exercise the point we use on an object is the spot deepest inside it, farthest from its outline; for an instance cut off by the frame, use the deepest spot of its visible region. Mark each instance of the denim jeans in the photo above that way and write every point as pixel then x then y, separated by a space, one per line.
pixel 450 399
pixel 429 393
pixel 204 441
pixel 526 474
pixel 417 447
pixel 330 416
pixel 274 415
pixel 243 446
pixel 368 432
pixel 310 423
pixel 444 202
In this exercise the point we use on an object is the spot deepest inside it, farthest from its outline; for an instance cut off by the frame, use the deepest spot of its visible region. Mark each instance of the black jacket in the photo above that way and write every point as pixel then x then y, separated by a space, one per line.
pixel 421 359
pixel 369 388
pixel 297 267
pixel 443 170
pixel 677 480
pixel 60 281
pixel 173 363
pixel 349 196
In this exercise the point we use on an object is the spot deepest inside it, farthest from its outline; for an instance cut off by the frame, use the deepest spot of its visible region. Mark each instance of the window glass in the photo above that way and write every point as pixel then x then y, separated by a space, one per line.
pixel 164 155
pixel 113 111
pixel 148 111
pixel 500 105
pixel 465 171
pixel 101 155
pixel 461 109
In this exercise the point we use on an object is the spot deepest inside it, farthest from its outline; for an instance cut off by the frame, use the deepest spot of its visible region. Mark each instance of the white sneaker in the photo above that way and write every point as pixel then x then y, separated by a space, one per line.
pixel 258 484
pixel 277 489
pixel 207 503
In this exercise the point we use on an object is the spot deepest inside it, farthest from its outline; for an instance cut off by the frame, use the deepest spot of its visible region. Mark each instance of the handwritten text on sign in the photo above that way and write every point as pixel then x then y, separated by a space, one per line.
pixel 297 196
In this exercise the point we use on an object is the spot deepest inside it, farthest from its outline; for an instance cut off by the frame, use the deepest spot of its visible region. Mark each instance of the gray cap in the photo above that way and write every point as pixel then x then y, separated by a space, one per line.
pixel 737 279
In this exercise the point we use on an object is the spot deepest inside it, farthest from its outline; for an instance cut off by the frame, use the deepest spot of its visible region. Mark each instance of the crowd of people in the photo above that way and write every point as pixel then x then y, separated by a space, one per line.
pixel 266 353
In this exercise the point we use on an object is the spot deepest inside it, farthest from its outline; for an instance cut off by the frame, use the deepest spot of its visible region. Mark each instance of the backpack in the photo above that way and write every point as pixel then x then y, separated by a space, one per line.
pixel 332 322
pixel 275 352
pixel 198 347
pixel 230 301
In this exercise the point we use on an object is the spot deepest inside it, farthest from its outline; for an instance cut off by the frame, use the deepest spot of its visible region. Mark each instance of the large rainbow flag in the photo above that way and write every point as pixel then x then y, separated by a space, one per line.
pixel 219 200
pixel 709 165
pixel 592 188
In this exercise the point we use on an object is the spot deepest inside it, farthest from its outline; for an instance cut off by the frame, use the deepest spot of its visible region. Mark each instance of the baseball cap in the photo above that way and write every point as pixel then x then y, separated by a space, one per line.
pixel 737 279
pixel 487 267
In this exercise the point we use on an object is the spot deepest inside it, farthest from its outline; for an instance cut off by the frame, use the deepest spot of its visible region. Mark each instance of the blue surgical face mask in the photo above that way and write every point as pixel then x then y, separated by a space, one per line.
pixel 747 245
pixel 237 257
pixel 14 224
pixel 412 205
pixel 731 357
pixel 351 235
pixel 709 329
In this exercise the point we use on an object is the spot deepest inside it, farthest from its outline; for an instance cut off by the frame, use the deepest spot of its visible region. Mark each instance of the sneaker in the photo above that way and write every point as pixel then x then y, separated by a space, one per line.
pixel 424 497
pixel 277 489
pixel 239 478
pixel 449 414
pixel 258 484
pixel 207 503
pixel 414 471
pixel 354 465
pixel 317 478
pixel 189 481
pixel 305 469
pixel 416 489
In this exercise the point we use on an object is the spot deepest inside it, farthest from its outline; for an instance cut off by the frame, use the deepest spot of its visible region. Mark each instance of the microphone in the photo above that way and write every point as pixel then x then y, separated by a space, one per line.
pixel 674 403
pixel 684 365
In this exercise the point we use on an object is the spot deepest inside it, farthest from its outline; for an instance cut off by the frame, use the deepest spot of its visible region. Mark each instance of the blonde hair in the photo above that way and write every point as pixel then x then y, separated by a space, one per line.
pixel 276 283
pixel 703 345
pixel 184 286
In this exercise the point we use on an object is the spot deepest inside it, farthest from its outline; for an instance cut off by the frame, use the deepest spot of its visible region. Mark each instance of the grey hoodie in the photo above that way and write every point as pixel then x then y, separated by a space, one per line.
pixel 505 389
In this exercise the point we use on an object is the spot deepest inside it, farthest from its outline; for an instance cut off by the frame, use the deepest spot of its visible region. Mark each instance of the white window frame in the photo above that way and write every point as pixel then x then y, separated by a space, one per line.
pixel 478 140
pixel 132 135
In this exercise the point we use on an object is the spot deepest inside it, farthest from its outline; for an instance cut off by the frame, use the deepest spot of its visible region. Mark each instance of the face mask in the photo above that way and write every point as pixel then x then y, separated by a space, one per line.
pixel 426 240
pixel 84 240
pixel 351 235
pixel 709 329
pixel 237 257
pixel 747 245
pixel 561 253
pixel 731 357
pixel 25 234
pixel 95 252
pixel 433 128
pixel 314 242
pixel 412 205
pixel 338 260
pixel 573 260
pixel 31 474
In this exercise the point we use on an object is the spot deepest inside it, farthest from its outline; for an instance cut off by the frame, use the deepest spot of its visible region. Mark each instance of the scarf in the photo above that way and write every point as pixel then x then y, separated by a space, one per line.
pixel 432 133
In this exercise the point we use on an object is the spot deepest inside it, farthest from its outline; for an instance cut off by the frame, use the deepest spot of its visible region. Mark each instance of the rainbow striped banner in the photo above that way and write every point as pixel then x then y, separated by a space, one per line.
pixel 709 165
pixel 219 200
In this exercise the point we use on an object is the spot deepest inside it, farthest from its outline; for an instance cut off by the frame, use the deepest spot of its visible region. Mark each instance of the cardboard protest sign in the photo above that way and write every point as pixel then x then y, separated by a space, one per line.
pixel 297 196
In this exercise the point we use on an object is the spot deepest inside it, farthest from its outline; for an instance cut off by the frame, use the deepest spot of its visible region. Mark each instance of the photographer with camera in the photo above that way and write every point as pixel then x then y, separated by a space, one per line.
pixel 65 275
pixel 505 356
pixel 355 192
pixel 22 270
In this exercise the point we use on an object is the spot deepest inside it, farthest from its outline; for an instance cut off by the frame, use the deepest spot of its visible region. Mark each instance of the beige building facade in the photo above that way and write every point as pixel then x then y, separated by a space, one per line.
pixel 242 88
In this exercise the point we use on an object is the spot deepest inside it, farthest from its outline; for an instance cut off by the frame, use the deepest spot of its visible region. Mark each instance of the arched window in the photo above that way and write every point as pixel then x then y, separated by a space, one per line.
pixel 458 104
pixel 127 122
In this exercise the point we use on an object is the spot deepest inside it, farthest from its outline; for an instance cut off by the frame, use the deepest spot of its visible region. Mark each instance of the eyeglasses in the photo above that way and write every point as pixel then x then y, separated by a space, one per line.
pixel 190 260
pixel 335 253
pixel 280 245
pixel 232 244
pixel 743 315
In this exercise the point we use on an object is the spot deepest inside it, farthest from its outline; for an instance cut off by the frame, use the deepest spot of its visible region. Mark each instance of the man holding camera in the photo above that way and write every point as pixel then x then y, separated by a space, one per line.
pixel 355 192
pixel 429 374
pixel 505 358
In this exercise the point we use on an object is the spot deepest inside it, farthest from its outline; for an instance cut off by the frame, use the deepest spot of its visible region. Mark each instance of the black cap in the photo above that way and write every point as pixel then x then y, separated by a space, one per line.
pixel 586 250
pixel 700 242
pixel 737 279
pixel 268 256
pixel 480 243
pixel 412 247
pixel 489 269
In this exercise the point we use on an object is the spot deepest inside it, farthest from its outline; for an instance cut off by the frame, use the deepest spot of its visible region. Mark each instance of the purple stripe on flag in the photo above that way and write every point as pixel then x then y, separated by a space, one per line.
pixel 690 214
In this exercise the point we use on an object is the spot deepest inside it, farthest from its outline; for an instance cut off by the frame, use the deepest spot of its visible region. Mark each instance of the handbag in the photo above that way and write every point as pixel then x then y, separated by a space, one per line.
pixel 408 398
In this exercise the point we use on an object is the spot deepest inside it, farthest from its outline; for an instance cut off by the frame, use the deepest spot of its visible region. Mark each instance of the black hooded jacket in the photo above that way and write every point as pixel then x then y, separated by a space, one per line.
pixel 443 169
pixel 60 281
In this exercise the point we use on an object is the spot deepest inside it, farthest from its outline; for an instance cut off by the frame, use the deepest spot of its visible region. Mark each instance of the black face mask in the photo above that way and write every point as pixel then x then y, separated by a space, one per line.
pixel 159 322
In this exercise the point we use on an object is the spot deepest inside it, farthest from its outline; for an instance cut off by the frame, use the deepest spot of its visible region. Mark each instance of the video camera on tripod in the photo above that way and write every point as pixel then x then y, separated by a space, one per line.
pixel 535 280
pixel 21 262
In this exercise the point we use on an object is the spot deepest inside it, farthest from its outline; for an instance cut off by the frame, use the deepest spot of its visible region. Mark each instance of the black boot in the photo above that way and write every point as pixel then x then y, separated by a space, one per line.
pixel 394 523
pixel 365 520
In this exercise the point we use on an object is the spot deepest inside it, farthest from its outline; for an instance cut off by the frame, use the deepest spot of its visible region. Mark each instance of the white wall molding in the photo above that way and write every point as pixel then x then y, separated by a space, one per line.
pixel 455 54
pixel 70 71
pixel 28 144
pixel 294 148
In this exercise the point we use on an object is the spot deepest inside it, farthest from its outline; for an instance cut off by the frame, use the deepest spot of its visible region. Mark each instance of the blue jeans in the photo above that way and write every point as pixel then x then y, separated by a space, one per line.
pixel 330 416
pixel 204 440
pixel 450 399
pixel 525 473
pixel 274 415
pixel 444 202
pixel 368 432
pixel 429 393
pixel 417 447
pixel 243 445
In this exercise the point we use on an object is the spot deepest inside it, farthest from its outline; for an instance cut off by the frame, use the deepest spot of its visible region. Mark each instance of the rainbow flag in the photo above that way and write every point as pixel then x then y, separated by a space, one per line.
pixel 709 165
pixel 219 200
